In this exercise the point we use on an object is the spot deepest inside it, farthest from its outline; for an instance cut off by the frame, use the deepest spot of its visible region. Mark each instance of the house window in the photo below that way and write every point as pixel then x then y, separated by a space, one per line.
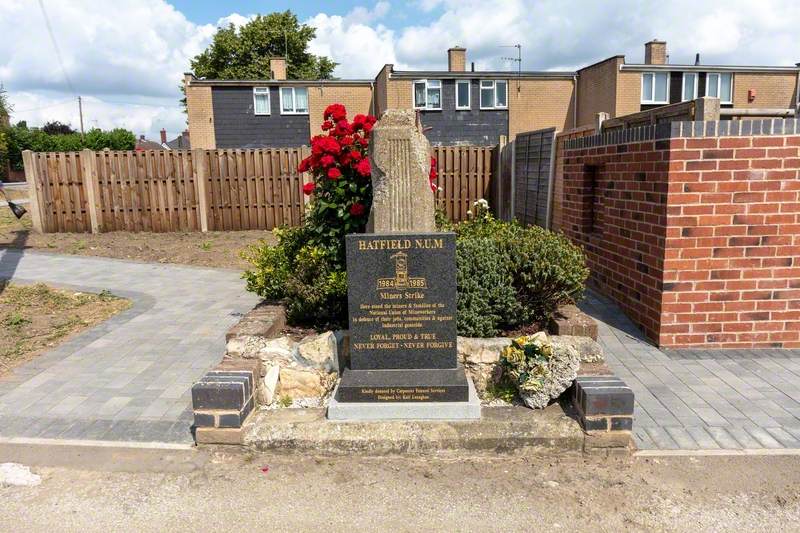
pixel 689 91
pixel 720 85
pixel 462 94
pixel 428 94
pixel 494 94
pixel 261 100
pixel 655 87
pixel 294 100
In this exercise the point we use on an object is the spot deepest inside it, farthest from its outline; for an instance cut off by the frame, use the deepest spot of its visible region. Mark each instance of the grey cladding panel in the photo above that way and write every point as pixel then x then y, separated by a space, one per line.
pixel 237 126
pixel 474 126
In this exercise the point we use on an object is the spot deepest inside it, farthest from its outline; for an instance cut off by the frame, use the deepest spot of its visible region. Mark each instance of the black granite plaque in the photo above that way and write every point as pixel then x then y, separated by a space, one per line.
pixel 402 300
pixel 422 385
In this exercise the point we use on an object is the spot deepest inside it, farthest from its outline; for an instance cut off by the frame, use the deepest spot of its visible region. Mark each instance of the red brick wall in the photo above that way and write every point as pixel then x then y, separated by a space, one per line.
pixel 732 270
pixel 698 239
pixel 625 248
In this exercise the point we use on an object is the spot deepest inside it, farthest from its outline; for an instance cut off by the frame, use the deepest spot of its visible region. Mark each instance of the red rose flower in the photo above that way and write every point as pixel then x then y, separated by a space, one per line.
pixel 327 160
pixel 433 175
pixel 363 167
pixel 357 209
pixel 327 125
pixel 368 127
pixel 308 188
pixel 304 165
pixel 355 155
pixel 363 142
pixel 346 140
pixel 335 111
pixel 334 173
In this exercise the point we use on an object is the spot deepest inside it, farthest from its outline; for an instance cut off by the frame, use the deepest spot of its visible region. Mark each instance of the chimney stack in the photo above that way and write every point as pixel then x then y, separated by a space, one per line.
pixel 163 136
pixel 277 65
pixel 655 52
pixel 697 58
pixel 457 59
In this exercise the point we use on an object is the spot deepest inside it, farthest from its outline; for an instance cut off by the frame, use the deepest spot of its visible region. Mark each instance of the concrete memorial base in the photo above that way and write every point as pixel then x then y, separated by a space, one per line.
pixel 343 410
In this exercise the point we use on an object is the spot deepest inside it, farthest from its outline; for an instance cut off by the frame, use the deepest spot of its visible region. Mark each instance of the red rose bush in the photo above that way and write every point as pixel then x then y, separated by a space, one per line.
pixel 306 269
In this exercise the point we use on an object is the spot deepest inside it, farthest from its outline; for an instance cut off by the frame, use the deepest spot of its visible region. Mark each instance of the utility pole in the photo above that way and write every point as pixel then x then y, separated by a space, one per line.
pixel 80 112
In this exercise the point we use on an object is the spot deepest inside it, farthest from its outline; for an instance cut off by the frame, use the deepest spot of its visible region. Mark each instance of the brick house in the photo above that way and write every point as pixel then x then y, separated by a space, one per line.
pixel 461 106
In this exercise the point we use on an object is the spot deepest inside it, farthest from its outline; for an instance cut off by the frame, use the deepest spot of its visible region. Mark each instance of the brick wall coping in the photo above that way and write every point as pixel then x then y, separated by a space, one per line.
pixel 669 130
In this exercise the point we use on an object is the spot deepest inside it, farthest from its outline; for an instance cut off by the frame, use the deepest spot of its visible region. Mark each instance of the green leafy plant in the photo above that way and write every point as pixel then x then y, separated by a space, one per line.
pixel 15 320
pixel 285 401
pixel 540 268
pixel 205 246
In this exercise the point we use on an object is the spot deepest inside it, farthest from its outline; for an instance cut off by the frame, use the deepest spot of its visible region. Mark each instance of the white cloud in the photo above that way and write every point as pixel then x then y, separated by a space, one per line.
pixel 134 51
pixel 360 49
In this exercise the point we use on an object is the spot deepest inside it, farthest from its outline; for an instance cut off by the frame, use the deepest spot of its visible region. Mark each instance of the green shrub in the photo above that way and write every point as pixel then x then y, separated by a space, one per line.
pixel 495 259
pixel 486 297
pixel 19 137
pixel 306 276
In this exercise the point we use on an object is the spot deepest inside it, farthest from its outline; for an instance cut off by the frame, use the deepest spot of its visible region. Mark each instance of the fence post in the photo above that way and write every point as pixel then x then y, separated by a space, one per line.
pixel 89 167
pixel 34 189
pixel 498 178
pixel 200 165
pixel 305 177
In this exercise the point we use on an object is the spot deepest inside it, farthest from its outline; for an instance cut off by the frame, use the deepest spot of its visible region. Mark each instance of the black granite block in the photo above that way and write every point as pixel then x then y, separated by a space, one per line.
pixel 418 385
pixel 218 395
pixel 402 300
pixel 607 401
pixel 244 376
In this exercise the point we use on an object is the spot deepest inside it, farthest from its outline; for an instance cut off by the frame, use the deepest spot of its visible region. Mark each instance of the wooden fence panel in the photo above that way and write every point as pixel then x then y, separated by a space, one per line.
pixel 160 190
pixel 465 176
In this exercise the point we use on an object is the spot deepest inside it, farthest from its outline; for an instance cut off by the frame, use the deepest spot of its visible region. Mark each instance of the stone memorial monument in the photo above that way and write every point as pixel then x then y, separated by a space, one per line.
pixel 402 294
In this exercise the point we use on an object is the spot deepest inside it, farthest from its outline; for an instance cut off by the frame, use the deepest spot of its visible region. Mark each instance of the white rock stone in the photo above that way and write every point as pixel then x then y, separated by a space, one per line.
pixel 17 475
pixel 588 349
pixel 319 351
pixel 246 346
pixel 300 383
pixel 481 351
pixel 271 383
pixel 481 358
pixel 278 350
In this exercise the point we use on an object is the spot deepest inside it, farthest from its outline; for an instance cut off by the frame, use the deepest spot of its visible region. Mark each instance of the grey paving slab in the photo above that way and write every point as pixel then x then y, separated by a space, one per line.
pixel 128 378
pixel 702 399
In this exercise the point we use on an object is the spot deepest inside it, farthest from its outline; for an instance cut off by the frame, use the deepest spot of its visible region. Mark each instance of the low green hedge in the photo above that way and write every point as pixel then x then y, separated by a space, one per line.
pixel 508 276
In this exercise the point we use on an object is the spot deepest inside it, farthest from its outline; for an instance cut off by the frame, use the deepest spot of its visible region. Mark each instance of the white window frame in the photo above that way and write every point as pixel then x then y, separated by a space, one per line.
pixel 294 101
pixel 467 107
pixel 719 85
pixel 651 97
pixel 492 84
pixel 428 86
pixel 261 91
pixel 683 86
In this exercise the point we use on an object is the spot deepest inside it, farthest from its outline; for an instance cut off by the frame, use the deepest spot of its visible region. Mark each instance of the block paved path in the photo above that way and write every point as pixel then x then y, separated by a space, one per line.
pixel 702 399
pixel 128 379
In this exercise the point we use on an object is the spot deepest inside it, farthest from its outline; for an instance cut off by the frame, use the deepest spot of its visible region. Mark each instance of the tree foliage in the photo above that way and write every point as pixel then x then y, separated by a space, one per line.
pixel 20 137
pixel 244 52
pixel 54 127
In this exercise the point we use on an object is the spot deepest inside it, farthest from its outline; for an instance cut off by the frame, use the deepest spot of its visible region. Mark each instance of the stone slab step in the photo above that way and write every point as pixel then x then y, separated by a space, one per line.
pixel 500 429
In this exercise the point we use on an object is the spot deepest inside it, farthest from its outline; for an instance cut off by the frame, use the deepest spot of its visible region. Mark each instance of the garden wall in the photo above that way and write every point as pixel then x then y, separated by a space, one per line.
pixel 693 228
pixel 201 190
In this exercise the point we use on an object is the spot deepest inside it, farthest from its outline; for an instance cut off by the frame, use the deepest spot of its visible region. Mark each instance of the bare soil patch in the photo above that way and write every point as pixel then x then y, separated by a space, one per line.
pixel 35 318
pixel 213 249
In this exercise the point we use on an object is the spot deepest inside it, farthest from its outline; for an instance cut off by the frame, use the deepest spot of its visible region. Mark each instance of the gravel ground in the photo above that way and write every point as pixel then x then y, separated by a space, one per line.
pixel 284 493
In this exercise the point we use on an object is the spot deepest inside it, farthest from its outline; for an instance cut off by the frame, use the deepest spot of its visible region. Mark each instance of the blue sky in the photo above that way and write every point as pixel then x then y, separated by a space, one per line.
pixel 127 61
